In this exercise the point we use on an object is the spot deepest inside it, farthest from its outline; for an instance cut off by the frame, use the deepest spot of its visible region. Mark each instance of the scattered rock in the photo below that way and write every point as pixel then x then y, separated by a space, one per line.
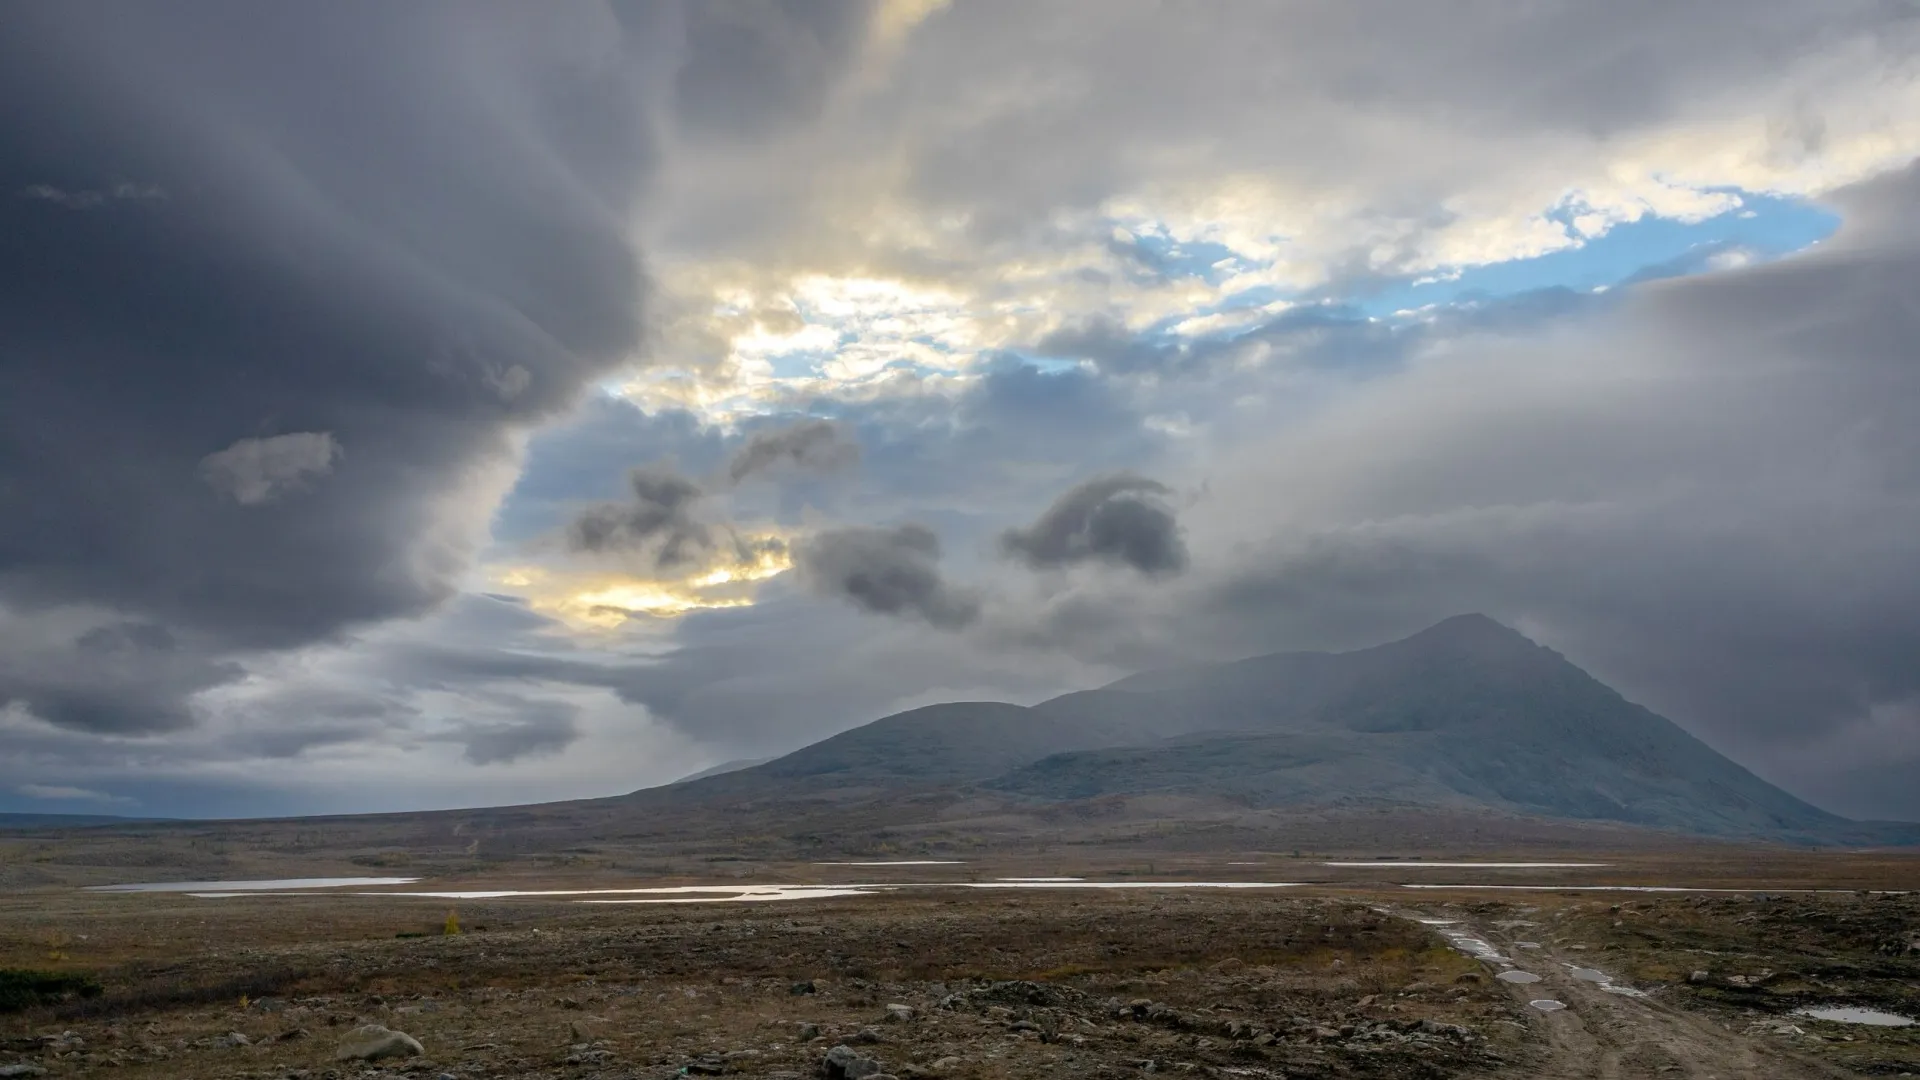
pixel 20 1070
pixel 371 1042
pixel 1230 964
pixel 235 1039
pixel 899 1014
pixel 808 1032
pixel 844 1063
pixel 802 988
pixel 1698 977
pixel 1468 977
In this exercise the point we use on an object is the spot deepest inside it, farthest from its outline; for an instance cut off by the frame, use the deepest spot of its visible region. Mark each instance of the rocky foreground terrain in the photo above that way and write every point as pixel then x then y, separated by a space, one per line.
pixel 1245 984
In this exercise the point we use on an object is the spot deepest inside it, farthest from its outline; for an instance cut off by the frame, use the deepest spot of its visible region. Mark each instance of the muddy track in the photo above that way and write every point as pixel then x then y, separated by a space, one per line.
pixel 1607 1034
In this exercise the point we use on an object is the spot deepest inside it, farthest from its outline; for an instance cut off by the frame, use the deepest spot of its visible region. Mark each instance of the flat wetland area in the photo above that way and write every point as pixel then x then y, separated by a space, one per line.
pixel 1344 972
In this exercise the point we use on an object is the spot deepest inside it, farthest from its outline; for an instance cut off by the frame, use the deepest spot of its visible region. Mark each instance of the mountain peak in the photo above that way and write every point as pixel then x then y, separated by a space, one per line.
pixel 1480 634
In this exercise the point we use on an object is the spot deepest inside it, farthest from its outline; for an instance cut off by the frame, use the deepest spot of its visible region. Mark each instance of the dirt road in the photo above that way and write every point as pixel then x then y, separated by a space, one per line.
pixel 1610 1031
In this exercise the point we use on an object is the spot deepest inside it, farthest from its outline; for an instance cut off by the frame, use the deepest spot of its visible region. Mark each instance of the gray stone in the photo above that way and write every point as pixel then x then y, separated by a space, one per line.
pixel 899 1014
pixel 371 1042
pixel 844 1063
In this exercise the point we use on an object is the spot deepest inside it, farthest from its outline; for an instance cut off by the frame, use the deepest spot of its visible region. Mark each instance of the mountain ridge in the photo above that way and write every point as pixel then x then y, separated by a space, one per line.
pixel 1465 714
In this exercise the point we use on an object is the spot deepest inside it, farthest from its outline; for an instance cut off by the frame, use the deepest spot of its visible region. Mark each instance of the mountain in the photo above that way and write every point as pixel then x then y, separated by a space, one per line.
pixel 724 767
pixel 1466 715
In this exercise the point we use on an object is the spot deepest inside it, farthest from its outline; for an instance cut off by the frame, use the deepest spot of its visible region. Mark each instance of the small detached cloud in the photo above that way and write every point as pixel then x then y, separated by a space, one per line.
pixel 886 571
pixel 63 793
pixel 256 471
pixel 813 445
pixel 1120 519
pixel 659 526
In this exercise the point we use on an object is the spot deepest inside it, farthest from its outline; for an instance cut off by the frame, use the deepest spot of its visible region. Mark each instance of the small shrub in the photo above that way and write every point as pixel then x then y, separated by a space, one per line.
pixel 453 924
pixel 21 990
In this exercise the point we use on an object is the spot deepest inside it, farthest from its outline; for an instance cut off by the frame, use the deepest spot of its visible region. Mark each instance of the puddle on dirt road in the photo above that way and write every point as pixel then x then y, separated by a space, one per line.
pixel 1473 946
pixel 243 887
pixel 1603 980
pixel 1848 1014
pixel 1547 1004
pixel 1518 977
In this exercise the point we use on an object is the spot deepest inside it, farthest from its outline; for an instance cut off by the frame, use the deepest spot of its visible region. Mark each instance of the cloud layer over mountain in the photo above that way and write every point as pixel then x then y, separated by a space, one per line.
pixel 539 406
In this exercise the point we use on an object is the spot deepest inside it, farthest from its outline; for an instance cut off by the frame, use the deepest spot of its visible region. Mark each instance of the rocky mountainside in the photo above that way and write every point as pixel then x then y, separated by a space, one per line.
pixel 1468 714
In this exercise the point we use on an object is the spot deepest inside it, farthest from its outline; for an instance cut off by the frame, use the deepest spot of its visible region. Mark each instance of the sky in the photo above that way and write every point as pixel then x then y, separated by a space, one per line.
pixel 452 403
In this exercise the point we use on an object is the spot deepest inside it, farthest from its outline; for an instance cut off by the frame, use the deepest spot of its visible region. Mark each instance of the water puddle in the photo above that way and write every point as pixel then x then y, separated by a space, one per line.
pixel 1037 880
pixel 243 887
pixel 1603 980
pixel 1424 865
pixel 1518 977
pixel 1547 1004
pixel 1848 1014
pixel 1474 947
pixel 700 894
pixel 900 862
pixel 1653 889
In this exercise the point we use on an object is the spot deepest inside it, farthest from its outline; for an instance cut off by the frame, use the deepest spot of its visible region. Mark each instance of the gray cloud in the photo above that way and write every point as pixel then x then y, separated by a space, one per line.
pixel 542 729
pixel 815 445
pixel 887 571
pixel 1117 519
pixel 1704 493
pixel 417 264
pixel 659 527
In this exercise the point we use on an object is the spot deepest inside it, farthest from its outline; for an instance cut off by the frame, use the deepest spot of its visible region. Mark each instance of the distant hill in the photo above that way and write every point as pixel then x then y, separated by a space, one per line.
pixel 65 821
pixel 1466 715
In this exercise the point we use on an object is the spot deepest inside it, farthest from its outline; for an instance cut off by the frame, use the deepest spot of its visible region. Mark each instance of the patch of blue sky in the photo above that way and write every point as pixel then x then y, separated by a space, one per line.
pixel 1763 227
pixel 1163 257
pixel 798 364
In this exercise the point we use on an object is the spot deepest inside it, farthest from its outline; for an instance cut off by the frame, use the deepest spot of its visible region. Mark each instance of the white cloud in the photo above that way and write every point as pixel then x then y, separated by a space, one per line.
pixel 65 793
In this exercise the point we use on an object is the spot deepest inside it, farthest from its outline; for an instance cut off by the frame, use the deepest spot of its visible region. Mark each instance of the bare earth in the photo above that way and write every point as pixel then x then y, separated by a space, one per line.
pixel 1336 978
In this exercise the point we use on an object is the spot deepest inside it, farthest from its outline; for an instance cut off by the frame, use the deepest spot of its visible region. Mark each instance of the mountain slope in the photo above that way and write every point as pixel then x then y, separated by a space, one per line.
pixel 1467 714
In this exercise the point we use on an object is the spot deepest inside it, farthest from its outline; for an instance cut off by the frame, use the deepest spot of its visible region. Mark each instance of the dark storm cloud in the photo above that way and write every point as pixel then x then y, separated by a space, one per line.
pixel 281 283
pixel 816 445
pixel 887 571
pixel 1120 519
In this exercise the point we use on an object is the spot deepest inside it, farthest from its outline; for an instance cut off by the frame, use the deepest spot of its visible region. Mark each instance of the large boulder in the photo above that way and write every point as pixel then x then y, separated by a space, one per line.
pixel 844 1063
pixel 371 1042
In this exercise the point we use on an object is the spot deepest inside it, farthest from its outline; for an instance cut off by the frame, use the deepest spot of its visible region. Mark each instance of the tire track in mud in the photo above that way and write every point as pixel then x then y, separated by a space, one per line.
pixel 1609 1031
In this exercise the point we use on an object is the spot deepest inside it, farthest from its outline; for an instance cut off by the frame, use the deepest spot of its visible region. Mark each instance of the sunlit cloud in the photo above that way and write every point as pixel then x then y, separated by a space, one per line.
pixel 604 600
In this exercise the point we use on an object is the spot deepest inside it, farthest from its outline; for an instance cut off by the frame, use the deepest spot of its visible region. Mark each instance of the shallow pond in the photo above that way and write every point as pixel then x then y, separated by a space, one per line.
pixel 1849 1014
pixel 273 885
pixel 1392 864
